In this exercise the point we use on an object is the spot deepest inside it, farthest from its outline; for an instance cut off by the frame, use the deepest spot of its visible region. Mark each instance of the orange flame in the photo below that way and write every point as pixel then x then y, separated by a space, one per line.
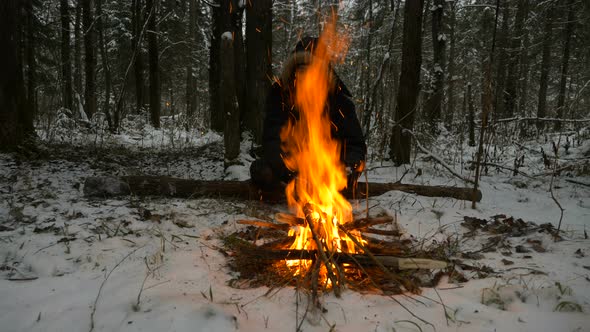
pixel 311 151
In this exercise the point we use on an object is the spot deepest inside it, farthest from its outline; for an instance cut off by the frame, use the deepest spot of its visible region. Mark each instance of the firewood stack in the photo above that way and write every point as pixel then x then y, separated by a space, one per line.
pixel 384 262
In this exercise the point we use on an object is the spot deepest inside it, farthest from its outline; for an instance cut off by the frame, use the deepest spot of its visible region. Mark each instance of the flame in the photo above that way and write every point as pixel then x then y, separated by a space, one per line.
pixel 311 152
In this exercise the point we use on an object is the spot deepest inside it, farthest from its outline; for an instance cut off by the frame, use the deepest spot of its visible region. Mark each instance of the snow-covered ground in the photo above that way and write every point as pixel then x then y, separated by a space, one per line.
pixel 68 263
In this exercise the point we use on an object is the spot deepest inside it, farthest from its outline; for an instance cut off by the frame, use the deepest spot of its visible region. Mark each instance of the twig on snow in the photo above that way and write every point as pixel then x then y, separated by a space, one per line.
pixel 438 159
pixel 104 282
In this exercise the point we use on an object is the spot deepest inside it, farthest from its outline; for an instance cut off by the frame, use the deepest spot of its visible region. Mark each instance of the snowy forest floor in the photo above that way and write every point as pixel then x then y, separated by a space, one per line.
pixel 165 272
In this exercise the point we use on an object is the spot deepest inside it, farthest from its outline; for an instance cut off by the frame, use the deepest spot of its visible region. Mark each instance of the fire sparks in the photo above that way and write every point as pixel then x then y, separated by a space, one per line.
pixel 311 152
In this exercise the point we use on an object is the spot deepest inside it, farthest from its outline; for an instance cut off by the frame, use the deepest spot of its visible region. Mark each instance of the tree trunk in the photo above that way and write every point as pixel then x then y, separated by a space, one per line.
pixel 434 104
pixel 471 116
pixel 229 101
pixel 500 76
pixel 78 56
pixel 510 95
pixel 12 90
pixel 569 29
pixel 545 66
pixel 167 186
pixel 105 66
pixel 155 93
pixel 367 101
pixel 191 99
pixel 524 70
pixel 400 144
pixel 89 58
pixel 66 62
pixel 31 99
pixel 137 25
pixel 259 61
pixel 451 67
pixel 216 116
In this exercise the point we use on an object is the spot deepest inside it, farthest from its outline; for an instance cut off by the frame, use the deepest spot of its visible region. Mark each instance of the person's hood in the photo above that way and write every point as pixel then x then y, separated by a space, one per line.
pixel 302 57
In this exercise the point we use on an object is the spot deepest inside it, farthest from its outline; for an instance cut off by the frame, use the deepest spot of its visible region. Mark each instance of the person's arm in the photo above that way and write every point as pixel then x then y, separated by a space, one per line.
pixel 275 118
pixel 349 132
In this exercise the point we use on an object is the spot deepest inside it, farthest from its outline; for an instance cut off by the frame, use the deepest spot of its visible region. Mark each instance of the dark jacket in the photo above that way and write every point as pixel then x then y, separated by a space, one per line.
pixel 346 127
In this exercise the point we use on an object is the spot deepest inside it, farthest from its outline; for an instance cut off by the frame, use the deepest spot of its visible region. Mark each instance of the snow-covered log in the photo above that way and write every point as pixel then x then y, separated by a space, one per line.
pixel 175 187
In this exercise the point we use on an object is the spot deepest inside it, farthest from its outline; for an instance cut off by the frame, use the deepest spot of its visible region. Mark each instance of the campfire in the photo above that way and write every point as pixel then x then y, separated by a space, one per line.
pixel 311 152
pixel 324 248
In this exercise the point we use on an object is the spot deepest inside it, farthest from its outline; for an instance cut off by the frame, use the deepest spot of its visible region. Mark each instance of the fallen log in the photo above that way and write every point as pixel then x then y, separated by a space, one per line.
pixel 106 186
pixel 400 263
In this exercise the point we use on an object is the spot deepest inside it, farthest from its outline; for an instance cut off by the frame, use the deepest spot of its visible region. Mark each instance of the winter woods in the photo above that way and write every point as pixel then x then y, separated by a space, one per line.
pixel 411 64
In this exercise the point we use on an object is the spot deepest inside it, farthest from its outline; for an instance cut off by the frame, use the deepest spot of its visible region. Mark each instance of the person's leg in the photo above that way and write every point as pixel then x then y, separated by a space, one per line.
pixel 262 175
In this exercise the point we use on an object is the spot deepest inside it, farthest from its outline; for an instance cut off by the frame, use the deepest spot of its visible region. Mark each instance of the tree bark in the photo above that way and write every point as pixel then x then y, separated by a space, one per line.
pixel 31 100
pixel 167 186
pixel 400 143
pixel 66 62
pixel 137 25
pixel 434 103
pixel 191 99
pixel 449 114
pixel 12 89
pixel 510 95
pixel 545 67
pixel 229 100
pixel 500 76
pixel 525 61
pixel 78 57
pixel 259 61
pixel 569 29
pixel 105 66
pixel 154 62
pixel 89 58
pixel 471 116
pixel 215 115
pixel 367 104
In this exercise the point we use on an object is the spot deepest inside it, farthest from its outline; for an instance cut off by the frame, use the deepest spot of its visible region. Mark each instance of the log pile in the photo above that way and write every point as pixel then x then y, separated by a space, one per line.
pixel 386 265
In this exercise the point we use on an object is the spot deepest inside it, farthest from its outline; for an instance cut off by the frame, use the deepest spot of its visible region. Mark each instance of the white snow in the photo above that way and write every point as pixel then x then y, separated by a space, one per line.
pixel 70 243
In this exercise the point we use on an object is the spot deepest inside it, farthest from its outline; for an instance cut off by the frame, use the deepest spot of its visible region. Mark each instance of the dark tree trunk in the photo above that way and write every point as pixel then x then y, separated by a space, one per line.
pixel 500 76
pixel 89 58
pixel 216 116
pixel 229 100
pixel 31 99
pixel 569 29
pixel 434 104
pixel 78 56
pixel 400 143
pixel 259 60
pixel 367 104
pixel 155 91
pixel 239 53
pixel 471 116
pixel 191 95
pixel 510 95
pixel 524 69
pixel 12 90
pixel 451 67
pixel 138 67
pixel 105 66
pixel 66 62
pixel 545 66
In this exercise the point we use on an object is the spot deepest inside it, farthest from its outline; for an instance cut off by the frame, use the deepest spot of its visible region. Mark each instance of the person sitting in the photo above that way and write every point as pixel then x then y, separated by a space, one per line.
pixel 270 173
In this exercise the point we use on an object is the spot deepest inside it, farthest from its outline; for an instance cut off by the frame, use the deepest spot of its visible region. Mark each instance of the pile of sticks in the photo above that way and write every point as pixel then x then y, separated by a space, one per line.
pixel 379 263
